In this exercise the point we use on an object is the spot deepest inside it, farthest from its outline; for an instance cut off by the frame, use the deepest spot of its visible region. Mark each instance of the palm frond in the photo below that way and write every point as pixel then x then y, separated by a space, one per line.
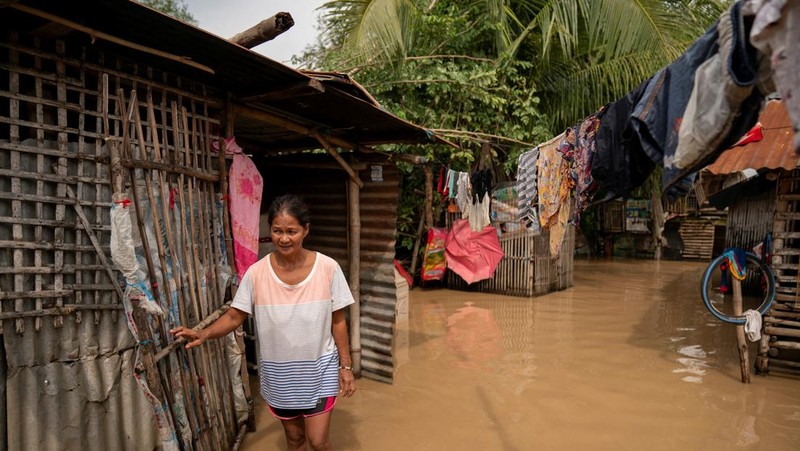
pixel 374 28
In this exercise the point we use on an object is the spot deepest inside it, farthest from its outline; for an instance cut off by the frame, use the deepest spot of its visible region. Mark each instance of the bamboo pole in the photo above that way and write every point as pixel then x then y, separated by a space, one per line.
pixel 195 364
pixel 415 252
pixel 354 248
pixel 230 118
pixel 332 152
pixel 741 341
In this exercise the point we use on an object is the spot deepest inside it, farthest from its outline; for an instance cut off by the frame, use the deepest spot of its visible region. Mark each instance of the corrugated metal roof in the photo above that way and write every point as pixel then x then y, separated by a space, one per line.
pixel 341 108
pixel 774 151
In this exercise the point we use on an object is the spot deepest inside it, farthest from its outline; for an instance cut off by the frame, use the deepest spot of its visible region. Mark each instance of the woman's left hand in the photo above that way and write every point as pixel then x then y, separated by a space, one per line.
pixel 347 382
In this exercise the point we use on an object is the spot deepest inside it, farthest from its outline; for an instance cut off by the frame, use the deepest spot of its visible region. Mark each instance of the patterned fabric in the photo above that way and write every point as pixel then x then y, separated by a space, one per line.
pixel 527 191
pixel 555 184
pixel 298 360
pixel 582 164
pixel 245 190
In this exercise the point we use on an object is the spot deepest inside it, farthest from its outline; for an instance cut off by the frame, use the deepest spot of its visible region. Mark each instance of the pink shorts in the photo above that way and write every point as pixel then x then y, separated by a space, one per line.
pixel 323 405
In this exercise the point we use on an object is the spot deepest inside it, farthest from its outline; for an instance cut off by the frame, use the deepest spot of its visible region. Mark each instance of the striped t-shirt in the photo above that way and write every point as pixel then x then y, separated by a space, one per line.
pixel 299 363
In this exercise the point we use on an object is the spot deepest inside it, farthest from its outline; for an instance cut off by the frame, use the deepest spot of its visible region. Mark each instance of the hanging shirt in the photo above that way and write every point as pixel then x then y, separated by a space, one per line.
pixel 481 200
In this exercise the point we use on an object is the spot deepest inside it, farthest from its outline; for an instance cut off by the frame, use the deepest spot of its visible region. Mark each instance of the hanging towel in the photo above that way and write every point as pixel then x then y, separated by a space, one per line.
pixel 752 328
pixel 245 192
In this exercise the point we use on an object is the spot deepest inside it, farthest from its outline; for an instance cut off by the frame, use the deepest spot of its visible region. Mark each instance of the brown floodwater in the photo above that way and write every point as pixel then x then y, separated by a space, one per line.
pixel 627 359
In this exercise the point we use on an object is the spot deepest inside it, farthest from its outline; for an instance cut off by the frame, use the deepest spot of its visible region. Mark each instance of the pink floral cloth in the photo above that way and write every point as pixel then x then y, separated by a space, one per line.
pixel 245 187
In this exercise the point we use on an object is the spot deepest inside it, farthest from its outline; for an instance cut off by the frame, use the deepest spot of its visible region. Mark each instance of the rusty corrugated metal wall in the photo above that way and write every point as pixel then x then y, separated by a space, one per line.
pixel 323 185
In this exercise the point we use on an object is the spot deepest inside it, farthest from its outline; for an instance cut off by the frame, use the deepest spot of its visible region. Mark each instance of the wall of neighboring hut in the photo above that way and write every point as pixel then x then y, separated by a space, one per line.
pixel 69 351
pixel 780 343
pixel 750 220
pixel 323 185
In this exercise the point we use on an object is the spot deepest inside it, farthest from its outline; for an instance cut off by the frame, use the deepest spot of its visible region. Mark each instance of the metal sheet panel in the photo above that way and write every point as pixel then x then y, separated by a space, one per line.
pixel 378 290
pixel 72 387
pixel 774 151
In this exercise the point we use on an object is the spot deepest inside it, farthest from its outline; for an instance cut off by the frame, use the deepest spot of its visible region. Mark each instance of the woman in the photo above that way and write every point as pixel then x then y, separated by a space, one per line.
pixel 298 299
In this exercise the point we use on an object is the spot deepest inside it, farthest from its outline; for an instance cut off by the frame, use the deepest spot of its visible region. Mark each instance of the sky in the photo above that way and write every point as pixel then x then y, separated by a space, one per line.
pixel 226 18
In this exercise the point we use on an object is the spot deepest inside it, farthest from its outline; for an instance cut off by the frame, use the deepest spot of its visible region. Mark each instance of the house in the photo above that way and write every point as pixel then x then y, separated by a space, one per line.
pixel 110 103
pixel 758 183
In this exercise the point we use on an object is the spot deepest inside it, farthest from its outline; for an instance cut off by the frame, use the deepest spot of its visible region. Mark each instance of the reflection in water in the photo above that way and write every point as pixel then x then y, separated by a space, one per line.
pixel 628 359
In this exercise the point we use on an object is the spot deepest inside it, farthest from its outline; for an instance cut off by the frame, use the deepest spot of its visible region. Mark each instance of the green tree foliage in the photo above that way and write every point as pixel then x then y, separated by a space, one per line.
pixel 175 8
pixel 510 72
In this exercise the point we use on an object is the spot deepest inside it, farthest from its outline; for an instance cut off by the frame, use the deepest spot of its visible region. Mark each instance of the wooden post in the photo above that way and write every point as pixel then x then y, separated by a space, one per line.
pixel 354 248
pixel 741 341
pixel 415 252
pixel 266 30
pixel 428 196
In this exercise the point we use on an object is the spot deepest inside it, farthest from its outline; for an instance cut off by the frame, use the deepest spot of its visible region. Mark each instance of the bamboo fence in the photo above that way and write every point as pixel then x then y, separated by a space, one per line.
pixel 76 121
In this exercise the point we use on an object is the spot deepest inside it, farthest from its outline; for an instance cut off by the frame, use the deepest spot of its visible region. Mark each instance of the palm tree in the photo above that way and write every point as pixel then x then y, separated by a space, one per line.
pixel 581 54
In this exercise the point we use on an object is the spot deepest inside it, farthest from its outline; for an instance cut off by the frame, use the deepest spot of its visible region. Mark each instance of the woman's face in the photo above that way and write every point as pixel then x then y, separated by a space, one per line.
pixel 287 234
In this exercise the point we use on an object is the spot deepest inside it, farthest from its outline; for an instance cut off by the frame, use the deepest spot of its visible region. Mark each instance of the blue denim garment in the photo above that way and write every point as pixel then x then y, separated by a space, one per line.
pixel 657 117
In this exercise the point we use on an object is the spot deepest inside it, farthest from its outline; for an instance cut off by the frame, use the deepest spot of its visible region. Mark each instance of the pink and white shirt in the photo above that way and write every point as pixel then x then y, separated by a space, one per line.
pixel 298 359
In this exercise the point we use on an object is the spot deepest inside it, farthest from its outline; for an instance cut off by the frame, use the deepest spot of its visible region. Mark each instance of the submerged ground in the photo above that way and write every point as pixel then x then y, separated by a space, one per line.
pixel 628 359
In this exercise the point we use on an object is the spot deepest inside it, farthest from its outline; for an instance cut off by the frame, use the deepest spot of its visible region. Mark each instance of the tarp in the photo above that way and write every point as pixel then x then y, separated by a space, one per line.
pixel 473 255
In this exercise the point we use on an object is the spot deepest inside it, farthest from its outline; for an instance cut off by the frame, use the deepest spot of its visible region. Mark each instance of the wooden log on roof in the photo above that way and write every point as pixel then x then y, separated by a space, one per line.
pixel 266 30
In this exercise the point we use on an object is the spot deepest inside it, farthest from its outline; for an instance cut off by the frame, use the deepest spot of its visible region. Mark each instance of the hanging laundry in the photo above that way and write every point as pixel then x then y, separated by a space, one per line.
pixel 527 192
pixel 441 187
pixel 481 200
pixel 728 91
pixel 585 146
pixel 464 194
pixel 657 117
pixel 776 33
pixel 554 185
pixel 619 164
pixel 245 190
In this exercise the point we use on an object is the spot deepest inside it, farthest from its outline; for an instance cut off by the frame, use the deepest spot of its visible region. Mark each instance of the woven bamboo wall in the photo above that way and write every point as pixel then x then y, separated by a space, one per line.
pixel 70 352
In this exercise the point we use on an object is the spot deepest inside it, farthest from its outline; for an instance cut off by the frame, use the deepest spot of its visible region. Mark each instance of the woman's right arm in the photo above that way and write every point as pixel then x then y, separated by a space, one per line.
pixel 224 325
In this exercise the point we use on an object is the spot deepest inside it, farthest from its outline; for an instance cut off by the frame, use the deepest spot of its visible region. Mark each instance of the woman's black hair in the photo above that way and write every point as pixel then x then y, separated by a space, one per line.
pixel 291 205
